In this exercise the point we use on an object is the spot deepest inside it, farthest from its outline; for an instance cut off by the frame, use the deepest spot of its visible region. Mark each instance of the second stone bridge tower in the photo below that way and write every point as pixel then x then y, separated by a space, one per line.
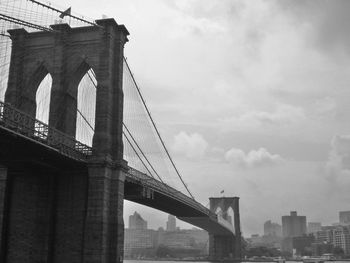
pixel 221 247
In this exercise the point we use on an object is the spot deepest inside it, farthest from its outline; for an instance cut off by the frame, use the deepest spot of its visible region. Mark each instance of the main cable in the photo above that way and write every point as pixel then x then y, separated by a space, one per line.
pixel 154 126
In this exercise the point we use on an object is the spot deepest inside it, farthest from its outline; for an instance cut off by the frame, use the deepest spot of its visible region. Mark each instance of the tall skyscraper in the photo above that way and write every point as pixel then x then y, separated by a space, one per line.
pixel 293 225
pixel 344 217
pixel 272 229
pixel 137 222
pixel 171 223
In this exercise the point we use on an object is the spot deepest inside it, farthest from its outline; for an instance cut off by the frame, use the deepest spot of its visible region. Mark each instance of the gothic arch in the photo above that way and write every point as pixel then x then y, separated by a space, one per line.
pixel 70 53
pixel 84 83
pixel 224 203
pixel 27 99
pixel 42 99
pixel 79 70
pixel 37 76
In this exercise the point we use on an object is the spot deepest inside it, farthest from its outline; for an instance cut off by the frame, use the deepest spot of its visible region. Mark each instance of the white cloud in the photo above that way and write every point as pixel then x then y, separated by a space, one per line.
pixel 252 159
pixel 190 145
pixel 337 169
pixel 325 105
pixel 339 157
pixel 283 116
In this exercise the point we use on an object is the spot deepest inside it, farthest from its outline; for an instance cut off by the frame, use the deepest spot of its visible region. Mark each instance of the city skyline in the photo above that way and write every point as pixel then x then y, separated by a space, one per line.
pixel 250 96
pixel 267 225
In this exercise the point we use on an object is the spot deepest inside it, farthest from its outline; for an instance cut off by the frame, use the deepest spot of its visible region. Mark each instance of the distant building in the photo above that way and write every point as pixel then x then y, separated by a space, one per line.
pixel 137 222
pixel 178 239
pixel 293 225
pixel 318 249
pixel 272 229
pixel 141 242
pixel 341 238
pixel 137 241
pixel 145 242
pixel 255 240
pixel 171 223
pixel 313 227
pixel 325 235
pixel 338 236
pixel 344 217
pixel 302 245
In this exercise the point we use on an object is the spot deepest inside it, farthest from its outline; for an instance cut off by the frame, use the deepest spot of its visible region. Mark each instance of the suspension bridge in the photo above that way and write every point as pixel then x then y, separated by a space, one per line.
pixel 77 138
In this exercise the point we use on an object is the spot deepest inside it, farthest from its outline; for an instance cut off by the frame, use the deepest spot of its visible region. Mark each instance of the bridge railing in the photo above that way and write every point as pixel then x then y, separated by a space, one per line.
pixel 31 128
pixel 154 184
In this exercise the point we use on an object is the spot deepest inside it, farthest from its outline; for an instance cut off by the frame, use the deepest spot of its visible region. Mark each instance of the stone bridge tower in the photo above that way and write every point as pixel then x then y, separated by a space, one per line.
pixel 221 247
pixel 58 210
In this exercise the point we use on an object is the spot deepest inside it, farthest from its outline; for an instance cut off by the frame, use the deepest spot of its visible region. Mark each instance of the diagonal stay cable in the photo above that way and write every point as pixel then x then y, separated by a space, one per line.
pixel 155 127
pixel 23 23
pixel 84 118
pixel 126 137
pixel 132 137
pixel 4 35
pixel 143 154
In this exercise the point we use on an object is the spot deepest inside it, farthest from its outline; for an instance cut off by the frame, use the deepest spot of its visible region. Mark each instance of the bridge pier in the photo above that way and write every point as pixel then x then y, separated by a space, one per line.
pixel 221 247
pixel 104 225
pixel 62 217
pixel 28 215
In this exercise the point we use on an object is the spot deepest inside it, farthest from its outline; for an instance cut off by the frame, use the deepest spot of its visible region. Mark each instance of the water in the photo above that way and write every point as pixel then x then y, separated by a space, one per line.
pixel 179 261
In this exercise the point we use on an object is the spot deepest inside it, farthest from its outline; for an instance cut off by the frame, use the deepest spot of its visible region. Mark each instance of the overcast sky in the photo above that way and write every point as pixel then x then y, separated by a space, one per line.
pixel 252 97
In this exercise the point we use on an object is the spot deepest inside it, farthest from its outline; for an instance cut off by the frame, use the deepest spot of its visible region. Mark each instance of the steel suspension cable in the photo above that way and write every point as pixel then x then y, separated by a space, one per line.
pixel 23 23
pixel 130 134
pixel 158 134
pixel 62 12
pixel 126 137
pixel 143 154
pixel 138 155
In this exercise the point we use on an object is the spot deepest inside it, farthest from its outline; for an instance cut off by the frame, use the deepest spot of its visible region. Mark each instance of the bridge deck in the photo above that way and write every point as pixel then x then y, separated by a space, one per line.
pixel 33 131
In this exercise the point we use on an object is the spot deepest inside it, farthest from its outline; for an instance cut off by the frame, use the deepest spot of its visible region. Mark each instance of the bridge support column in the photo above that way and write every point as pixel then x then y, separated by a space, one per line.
pixel 104 225
pixel 238 234
pixel 221 247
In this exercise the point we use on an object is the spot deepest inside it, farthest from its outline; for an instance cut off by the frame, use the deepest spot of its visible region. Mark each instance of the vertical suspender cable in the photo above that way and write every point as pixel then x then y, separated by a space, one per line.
pixel 154 126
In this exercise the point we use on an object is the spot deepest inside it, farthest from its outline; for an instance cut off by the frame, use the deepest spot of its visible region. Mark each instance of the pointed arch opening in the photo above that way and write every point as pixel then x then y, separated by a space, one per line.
pixel 86 107
pixel 42 99
pixel 230 215
pixel 219 211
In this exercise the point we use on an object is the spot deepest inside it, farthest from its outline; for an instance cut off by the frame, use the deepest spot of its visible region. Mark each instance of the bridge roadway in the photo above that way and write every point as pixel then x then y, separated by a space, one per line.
pixel 25 138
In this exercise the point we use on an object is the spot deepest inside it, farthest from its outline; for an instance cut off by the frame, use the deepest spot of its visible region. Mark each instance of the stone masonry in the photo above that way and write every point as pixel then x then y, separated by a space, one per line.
pixel 59 213
pixel 221 247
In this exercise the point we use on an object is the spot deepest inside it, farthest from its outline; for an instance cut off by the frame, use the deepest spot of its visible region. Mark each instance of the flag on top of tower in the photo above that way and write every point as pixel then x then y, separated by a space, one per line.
pixel 66 13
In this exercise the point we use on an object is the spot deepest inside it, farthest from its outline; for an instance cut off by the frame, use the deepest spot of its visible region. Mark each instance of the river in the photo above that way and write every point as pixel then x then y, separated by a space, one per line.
pixel 179 261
